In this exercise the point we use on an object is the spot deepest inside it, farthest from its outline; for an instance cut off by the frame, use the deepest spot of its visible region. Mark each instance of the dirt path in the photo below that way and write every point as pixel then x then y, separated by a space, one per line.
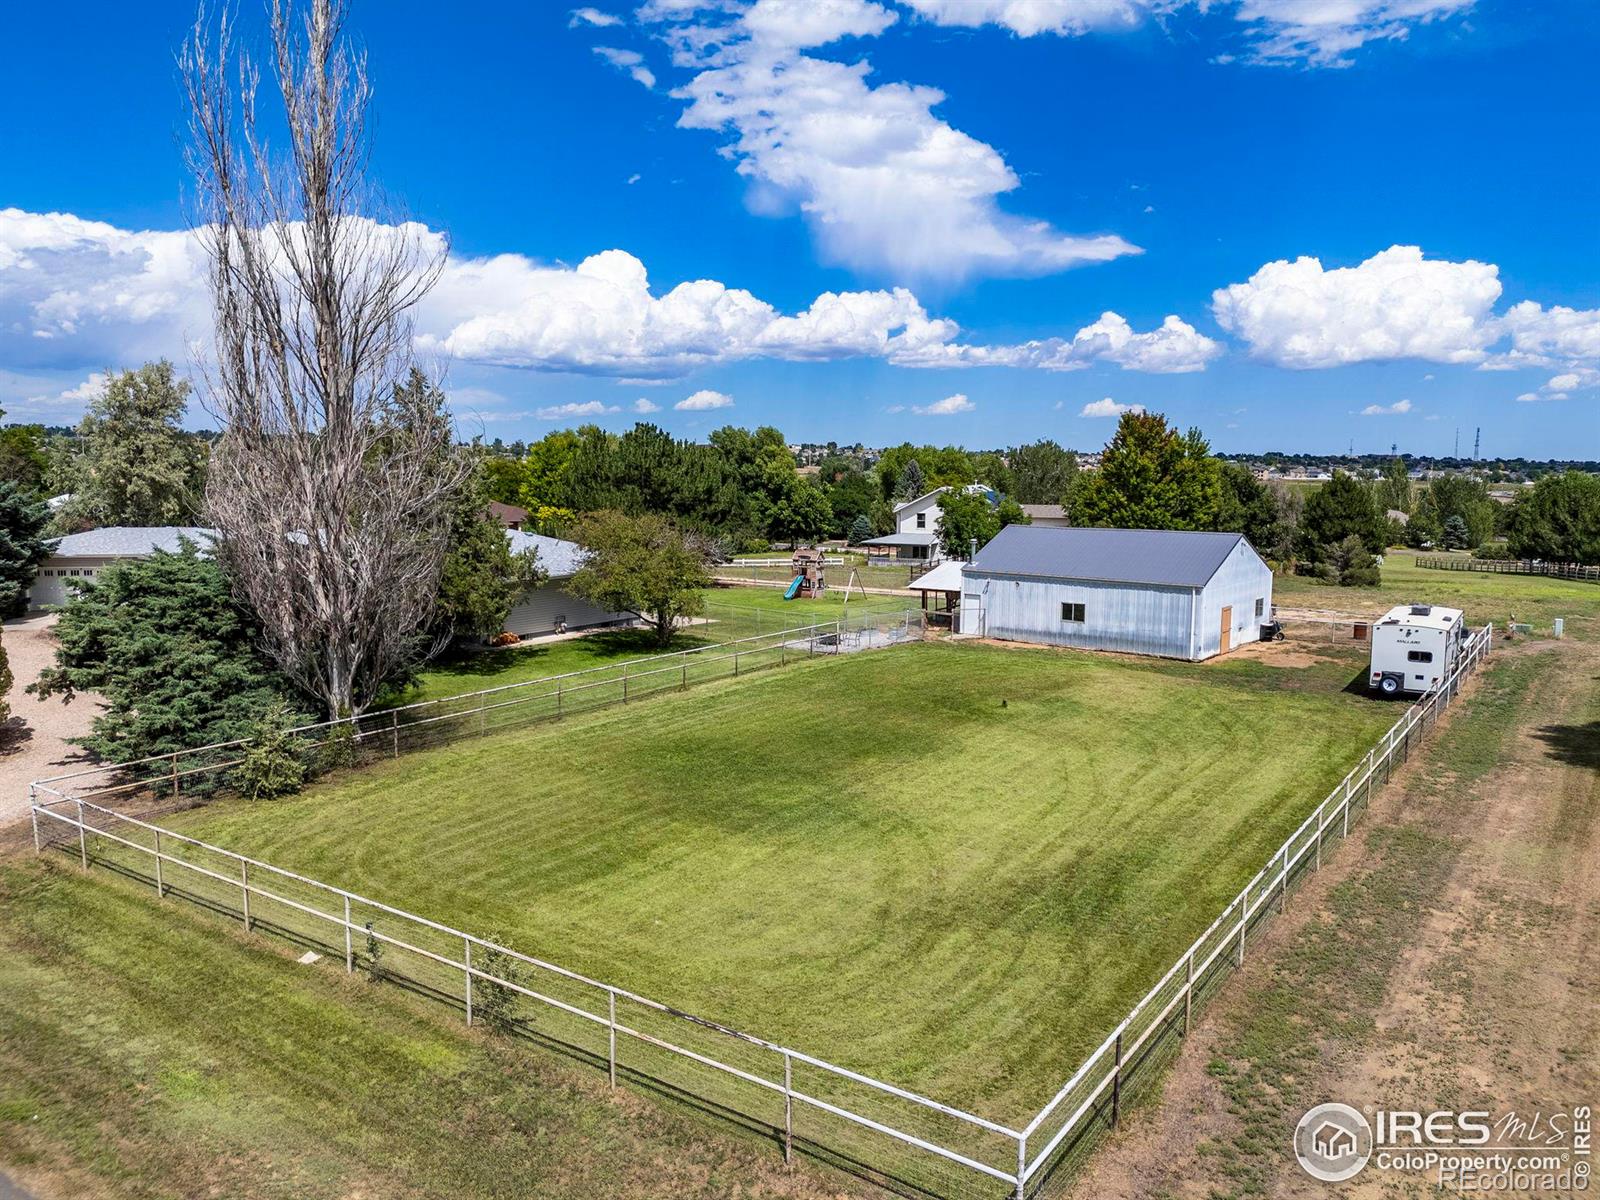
pixel 1448 959
pixel 33 744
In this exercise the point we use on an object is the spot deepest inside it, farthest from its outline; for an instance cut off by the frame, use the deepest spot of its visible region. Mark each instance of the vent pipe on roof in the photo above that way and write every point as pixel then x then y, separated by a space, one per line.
pixel 972 549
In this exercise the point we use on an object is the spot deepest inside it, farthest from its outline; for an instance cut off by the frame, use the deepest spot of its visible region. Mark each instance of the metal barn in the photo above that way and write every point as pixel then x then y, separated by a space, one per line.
pixel 1143 591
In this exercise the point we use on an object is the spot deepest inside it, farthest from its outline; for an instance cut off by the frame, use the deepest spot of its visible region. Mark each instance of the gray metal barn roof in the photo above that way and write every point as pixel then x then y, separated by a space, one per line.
pixel 1155 556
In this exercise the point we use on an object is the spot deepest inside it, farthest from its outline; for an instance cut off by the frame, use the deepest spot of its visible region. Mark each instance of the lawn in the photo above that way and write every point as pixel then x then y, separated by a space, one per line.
pixel 951 866
pixel 730 613
pixel 1484 597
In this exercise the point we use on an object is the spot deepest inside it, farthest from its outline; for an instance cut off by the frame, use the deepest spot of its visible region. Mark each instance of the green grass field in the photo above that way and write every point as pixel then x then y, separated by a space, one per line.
pixel 1483 597
pixel 868 858
pixel 734 612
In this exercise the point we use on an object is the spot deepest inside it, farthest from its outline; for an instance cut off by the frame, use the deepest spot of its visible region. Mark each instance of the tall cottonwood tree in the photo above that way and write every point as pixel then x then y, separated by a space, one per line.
pixel 332 483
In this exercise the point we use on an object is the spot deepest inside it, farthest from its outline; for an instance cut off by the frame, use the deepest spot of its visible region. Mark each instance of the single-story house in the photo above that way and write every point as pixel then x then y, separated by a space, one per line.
pixel 1051 516
pixel 548 607
pixel 916 528
pixel 85 555
pixel 1143 591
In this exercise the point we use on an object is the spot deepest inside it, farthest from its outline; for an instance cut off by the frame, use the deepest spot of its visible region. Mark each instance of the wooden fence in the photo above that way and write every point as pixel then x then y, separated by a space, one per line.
pixel 1498 566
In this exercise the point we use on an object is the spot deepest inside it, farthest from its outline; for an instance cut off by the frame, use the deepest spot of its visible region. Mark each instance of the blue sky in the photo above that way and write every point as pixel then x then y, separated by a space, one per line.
pixel 980 221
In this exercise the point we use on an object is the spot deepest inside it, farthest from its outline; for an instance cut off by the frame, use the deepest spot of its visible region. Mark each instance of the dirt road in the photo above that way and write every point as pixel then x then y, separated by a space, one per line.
pixel 1449 959
pixel 33 744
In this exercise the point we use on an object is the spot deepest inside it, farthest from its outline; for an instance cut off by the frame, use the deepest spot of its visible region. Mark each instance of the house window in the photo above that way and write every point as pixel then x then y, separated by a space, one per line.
pixel 1261 605
pixel 922 520
pixel 1072 612
pixel 1420 656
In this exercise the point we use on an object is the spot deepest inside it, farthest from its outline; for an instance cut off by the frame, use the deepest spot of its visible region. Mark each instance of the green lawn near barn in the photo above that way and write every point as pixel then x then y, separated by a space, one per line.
pixel 953 867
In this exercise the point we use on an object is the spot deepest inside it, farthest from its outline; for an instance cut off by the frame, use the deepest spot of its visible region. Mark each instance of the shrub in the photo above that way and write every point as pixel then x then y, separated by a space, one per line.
pixel 494 1003
pixel 1348 563
pixel 504 638
pixel 272 766
pixel 1498 551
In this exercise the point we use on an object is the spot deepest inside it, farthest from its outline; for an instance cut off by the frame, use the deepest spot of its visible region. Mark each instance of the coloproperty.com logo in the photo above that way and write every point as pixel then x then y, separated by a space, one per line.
pixel 1469 1151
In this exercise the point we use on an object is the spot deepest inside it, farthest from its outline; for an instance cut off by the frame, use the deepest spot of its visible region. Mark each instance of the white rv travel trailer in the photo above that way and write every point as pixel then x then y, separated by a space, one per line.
pixel 1414 648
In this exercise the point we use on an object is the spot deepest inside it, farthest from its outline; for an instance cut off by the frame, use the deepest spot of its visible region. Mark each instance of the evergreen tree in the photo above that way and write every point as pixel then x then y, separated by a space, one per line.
pixel 481 580
pixel 132 463
pixel 1455 532
pixel 5 681
pixel 860 529
pixel 911 481
pixel 173 658
pixel 1348 563
pixel 1341 508
pixel 22 545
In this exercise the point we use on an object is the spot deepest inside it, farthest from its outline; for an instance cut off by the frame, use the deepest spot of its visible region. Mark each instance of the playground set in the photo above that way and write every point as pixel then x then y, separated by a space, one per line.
pixel 811 578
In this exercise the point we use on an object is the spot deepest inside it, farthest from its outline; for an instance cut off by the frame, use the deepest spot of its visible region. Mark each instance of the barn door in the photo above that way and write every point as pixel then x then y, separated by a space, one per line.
pixel 1227 629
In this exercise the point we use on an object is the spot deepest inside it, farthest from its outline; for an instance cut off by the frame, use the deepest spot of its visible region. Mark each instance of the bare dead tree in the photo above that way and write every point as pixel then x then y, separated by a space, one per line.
pixel 332 489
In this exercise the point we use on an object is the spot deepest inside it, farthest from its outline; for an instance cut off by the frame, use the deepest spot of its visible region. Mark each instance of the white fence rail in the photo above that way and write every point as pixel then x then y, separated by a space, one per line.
pixel 838 1113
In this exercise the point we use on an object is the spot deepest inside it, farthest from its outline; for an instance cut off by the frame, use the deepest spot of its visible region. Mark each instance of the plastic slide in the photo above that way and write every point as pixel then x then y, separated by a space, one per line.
pixel 794 587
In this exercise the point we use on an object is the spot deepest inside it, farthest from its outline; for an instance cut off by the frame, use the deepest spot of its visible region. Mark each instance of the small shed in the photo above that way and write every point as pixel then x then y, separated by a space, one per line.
pixel 1141 591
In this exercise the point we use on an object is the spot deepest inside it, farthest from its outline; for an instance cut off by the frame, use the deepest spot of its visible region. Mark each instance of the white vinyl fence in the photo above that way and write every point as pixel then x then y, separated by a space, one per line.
pixel 863 1124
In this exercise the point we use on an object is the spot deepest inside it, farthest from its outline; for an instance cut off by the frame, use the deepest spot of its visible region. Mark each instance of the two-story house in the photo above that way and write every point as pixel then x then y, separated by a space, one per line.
pixel 916 529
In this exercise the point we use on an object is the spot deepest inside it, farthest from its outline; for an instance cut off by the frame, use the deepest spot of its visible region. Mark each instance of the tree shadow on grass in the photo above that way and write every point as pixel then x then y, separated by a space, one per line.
pixel 1578 745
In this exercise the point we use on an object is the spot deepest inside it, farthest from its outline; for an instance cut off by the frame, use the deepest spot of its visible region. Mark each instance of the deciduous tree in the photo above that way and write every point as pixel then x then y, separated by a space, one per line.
pixel 1558 520
pixel 1151 477
pixel 131 462
pixel 336 474
pixel 642 564
pixel 1042 473
pixel 1341 508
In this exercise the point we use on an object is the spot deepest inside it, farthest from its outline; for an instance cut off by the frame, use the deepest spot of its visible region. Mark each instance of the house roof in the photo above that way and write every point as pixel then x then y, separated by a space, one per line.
pixel 129 541
pixel 1044 510
pixel 507 514
pixel 1152 556
pixel 905 504
pixel 946 577
pixel 901 539
pixel 560 559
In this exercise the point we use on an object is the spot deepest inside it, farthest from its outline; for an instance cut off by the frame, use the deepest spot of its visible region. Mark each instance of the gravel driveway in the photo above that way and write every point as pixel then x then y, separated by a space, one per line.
pixel 33 744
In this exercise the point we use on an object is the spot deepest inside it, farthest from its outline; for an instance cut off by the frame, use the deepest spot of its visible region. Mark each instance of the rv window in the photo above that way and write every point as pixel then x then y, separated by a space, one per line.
pixel 1072 612
pixel 1420 656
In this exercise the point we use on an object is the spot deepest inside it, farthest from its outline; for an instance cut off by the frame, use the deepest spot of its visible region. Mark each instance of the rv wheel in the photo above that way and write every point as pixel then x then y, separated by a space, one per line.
pixel 1389 685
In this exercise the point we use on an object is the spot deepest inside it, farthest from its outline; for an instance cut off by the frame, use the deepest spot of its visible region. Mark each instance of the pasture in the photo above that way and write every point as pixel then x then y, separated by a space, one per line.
pixel 951 866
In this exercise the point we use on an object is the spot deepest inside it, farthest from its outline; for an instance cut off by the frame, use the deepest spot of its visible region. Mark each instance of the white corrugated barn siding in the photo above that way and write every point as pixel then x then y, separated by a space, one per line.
pixel 1135 618
pixel 539 610
pixel 1239 583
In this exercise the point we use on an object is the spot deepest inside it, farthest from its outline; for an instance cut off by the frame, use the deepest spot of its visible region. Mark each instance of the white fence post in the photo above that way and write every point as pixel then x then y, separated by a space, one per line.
pixel 611 1023
pixel 788 1108
pixel 160 887
pixel 1022 1166
pixel 349 950
pixel 33 813
pixel 244 890
pixel 83 839
pixel 1188 990
pixel 466 963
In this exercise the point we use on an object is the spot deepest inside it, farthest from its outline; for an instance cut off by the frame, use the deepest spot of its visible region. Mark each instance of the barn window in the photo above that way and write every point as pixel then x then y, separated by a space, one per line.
pixel 922 520
pixel 1420 656
pixel 1261 605
pixel 1072 612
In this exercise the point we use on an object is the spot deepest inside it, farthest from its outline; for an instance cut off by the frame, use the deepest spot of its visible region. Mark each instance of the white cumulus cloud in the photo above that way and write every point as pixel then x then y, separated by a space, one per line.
pixel 1396 304
pixel 1108 408
pixel 594 17
pixel 885 185
pixel 704 400
pixel 1175 347
pixel 1387 410
pixel 1026 18
pixel 946 407
pixel 630 61
pixel 560 412
pixel 642 405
